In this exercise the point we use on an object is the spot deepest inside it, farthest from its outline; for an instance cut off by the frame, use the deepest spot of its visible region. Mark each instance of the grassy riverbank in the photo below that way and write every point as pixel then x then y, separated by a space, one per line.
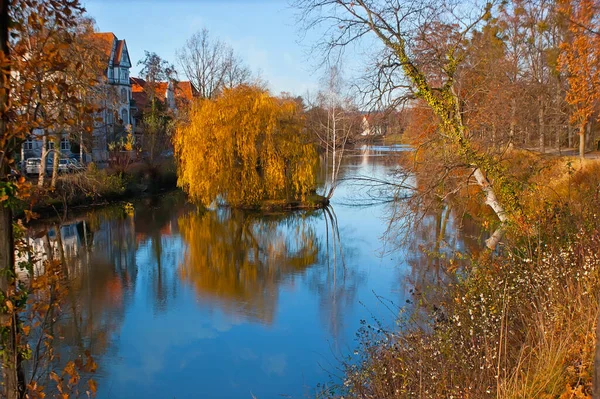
pixel 312 201
pixel 521 324
pixel 95 187
pixel 99 187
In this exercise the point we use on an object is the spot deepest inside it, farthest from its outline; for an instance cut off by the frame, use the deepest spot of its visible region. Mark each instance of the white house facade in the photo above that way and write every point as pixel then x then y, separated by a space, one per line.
pixel 116 96
pixel 32 147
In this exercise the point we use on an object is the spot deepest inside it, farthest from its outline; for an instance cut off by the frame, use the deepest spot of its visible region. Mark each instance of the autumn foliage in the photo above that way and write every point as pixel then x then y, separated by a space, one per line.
pixel 579 58
pixel 243 148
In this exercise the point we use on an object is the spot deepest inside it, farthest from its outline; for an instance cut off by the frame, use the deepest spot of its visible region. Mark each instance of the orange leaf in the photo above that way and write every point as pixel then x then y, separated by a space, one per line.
pixel 93 386
pixel 54 377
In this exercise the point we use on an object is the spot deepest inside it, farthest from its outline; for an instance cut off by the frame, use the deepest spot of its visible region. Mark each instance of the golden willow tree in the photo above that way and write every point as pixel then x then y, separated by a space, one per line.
pixel 243 148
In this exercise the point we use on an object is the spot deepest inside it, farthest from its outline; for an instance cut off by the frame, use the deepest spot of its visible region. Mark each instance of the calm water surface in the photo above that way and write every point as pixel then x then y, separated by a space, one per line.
pixel 176 303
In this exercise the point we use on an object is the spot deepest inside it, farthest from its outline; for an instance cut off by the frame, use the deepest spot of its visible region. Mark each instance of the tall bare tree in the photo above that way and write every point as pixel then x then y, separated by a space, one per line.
pixel 332 119
pixel 159 75
pixel 211 65
pixel 429 71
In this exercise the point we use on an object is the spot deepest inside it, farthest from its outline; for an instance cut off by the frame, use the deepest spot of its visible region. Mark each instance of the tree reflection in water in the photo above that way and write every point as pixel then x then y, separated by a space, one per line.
pixel 440 245
pixel 337 282
pixel 97 257
pixel 238 258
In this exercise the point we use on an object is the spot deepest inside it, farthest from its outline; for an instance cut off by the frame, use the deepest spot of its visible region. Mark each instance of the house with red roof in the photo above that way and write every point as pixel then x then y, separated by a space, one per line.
pixel 177 95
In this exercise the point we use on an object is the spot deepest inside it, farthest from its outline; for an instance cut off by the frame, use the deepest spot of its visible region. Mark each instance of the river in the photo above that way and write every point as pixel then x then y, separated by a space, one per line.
pixel 177 303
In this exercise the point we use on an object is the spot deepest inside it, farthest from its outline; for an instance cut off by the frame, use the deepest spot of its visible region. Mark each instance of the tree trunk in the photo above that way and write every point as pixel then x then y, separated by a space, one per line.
pixel 42 171
pixel 570 133
pixel 55 162
pixel 12 371
pixel 333 153
pixel 542 127
pixel 582 128
pixel 513 122
pixel 81 160
pixel 558 137
pixel 588 134
pixel 494 203
pixel 558 124
pixel 12 378
pixel 11 361
pixel 327 146
pixel 22 168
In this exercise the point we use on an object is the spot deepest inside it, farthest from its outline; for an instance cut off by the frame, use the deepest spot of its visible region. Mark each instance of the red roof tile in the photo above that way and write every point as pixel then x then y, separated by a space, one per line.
pixel 184 91
pixel 137 85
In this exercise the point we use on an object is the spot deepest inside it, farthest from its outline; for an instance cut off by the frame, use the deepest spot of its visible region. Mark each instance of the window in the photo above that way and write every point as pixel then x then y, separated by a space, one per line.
pixel 64 144
pixel 109 117
pixel 50 145
pixel 123 95
pixel 125 117
pixel 28 145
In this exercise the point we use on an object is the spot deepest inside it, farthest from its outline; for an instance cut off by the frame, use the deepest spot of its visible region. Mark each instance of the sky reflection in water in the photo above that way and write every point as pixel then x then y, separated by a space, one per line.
pixel 177 303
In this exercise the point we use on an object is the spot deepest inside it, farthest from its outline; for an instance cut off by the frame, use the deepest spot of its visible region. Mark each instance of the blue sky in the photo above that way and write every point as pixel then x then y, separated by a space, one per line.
pixel 263 33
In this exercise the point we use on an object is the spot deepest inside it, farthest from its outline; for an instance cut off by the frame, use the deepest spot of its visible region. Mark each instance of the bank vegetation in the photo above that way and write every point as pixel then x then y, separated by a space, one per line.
pixel 487 89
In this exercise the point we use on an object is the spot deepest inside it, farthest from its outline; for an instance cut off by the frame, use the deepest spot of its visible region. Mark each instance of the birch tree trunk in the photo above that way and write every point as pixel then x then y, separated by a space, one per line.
pixel 42 171
pixel 492 201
